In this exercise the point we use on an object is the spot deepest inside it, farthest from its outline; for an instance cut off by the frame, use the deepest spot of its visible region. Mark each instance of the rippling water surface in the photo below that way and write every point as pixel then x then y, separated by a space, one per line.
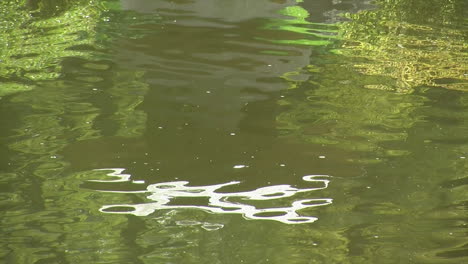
pixel 222 131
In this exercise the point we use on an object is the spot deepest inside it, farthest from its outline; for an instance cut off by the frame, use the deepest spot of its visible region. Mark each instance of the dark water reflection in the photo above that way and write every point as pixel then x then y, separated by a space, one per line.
pixel 217 111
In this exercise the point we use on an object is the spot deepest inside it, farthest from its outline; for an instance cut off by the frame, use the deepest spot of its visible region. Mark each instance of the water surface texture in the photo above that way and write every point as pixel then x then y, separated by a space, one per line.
pixel 234 131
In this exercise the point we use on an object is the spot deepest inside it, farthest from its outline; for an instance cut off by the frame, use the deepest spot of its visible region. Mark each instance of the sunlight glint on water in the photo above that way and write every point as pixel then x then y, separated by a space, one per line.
pixel 163 193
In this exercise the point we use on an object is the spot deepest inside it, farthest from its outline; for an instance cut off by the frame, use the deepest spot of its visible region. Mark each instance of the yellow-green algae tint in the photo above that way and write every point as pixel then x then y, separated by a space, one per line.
pixel 33 46
pixel 422 43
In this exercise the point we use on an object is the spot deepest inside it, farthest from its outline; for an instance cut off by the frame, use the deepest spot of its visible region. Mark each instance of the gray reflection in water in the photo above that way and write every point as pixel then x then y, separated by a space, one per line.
pixel 163 193
pixel 227 10
pixel 205 61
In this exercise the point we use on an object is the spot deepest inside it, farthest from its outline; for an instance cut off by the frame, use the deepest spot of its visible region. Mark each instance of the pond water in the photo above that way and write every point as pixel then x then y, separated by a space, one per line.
pixel 222 131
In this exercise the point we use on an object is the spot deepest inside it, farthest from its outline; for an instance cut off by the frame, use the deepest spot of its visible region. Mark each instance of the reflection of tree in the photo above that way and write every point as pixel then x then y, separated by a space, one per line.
pixel 415 207
pixel 414 42
pixel 311 34
pixel 412 206
pixel 336 110
pixel 53 56
pixel 397 47
pixel 403 199
pixel 34 45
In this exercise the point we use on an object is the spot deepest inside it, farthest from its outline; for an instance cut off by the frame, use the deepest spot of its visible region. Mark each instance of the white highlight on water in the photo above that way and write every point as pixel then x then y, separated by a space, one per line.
pixel 221 203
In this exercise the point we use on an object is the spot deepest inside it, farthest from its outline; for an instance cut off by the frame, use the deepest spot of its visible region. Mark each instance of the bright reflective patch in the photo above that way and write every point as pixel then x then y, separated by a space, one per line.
pixel 222 203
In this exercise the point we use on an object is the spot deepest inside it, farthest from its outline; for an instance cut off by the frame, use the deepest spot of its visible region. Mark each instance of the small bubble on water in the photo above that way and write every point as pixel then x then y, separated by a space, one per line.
pixel 187 223
pixel 321 157
pixel 212 227
pixel 240 166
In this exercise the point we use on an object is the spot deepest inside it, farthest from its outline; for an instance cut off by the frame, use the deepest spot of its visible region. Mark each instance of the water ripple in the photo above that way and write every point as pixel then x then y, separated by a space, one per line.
pixel 219 202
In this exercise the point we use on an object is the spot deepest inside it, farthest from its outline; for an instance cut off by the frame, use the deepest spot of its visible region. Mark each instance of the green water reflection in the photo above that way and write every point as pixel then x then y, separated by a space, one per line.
pixel 217 111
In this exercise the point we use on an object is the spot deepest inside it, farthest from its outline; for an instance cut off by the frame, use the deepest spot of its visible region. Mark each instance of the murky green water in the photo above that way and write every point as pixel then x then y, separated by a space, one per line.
pixel 222 131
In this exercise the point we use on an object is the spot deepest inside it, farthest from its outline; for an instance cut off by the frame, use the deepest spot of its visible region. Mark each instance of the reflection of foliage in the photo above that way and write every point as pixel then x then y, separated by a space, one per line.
pixel 61 225
pixel 128 92
pixel 393 48
pixel 417 43
pixel 403 199
pixel 52 47
pixel 63 113
pixel 317 34
pixel 33 47
pixel 339 112
pixel 425 195
pixel 405 207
